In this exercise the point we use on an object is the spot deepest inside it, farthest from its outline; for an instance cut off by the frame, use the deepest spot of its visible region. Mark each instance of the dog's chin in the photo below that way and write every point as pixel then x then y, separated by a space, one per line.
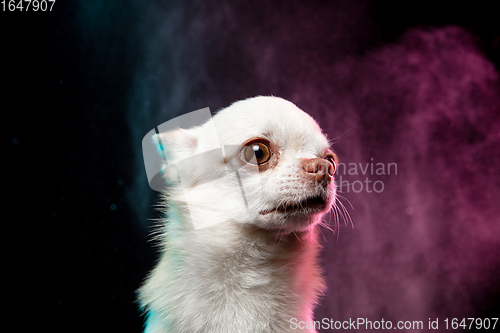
pixel 296 216
pixel 312 205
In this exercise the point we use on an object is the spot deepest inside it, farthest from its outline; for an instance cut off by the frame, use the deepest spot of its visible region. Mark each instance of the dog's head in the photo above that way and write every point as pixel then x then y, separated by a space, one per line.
pixel 261 161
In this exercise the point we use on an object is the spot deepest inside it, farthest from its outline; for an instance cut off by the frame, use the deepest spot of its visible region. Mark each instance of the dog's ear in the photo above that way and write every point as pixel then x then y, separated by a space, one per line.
pixel 174 141
pixel 178 144
pixel 175 146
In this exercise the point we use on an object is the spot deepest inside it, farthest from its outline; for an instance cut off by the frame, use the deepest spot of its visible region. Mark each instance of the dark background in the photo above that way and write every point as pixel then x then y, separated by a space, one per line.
pixel 72 92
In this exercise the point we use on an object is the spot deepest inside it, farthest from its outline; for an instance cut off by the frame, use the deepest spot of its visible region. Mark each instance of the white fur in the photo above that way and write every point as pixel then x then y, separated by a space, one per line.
pixel 225 267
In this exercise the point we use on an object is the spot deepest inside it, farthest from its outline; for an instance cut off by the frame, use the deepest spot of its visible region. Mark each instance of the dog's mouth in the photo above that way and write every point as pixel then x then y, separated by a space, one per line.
pixel 310 205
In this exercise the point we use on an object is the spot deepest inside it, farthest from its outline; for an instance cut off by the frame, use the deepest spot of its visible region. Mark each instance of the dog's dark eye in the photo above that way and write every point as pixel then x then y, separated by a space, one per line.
pixel 256 152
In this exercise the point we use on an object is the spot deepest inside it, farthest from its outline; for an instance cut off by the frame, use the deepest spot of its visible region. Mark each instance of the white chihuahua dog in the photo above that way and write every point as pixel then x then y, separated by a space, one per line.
pixel 239 240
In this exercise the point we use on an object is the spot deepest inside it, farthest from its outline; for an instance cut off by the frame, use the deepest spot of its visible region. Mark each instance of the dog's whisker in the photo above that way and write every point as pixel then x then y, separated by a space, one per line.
pixel 339 138
pixel 345 214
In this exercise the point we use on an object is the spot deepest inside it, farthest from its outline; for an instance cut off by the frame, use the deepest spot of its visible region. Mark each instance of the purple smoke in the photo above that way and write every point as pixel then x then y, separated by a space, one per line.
pixel 428 245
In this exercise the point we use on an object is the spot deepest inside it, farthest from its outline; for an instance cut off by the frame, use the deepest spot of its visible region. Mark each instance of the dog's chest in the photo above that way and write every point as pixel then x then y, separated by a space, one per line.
pixel 251 288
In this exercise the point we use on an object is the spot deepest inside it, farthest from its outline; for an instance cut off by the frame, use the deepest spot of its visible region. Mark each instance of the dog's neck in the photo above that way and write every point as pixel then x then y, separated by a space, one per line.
pixel 269 272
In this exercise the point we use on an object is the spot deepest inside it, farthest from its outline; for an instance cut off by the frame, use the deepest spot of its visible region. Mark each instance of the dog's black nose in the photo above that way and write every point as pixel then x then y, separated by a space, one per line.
pixel 318 169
